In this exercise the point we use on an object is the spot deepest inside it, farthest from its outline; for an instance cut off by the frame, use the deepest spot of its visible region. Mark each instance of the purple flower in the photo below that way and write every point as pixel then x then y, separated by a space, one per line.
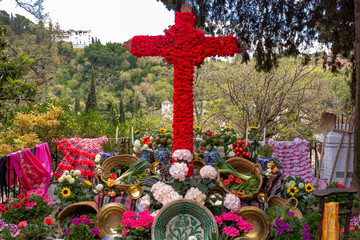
pixel 95 231
pixel 68 230
pixel 77 221
pixel 290 213
pixel 86 221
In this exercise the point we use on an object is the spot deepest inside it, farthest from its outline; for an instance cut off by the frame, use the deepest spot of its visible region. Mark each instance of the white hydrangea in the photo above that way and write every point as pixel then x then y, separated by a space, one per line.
pixel 196 195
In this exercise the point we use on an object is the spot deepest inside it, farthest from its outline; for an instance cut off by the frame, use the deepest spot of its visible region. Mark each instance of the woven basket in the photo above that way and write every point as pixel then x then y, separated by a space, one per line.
pixel 114 162
pixel 243 165
pixel 276 200
pixel 80 207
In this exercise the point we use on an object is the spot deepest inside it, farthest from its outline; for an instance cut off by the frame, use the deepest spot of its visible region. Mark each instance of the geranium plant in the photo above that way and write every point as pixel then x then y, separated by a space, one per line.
pixel 35 206
pixel 136 227
pixel 37 229
pixel 231 226
pixel 290 227
pixel 80 229
pixel 8 231
pixel 71 189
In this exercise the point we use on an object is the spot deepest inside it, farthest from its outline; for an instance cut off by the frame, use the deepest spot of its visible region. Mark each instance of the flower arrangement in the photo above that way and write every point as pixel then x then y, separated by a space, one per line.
pixel 290 228
pixel 8 231
pixel 162 138
pixel 80 229
pixel 35 206
pixel 231 226
pixel 37 229
pixel 71 188
pixel 136 227
pixel 301 190
pixel 143 144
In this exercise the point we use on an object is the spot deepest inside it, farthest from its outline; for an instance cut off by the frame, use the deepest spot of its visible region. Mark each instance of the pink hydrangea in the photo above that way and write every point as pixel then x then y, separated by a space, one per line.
pixel 231 231
pixel 129 214
pixel 208 171
pixel 125 231
pixel 179 171
pixel 182 154
pixel 127 222
pixel 218 220
pixel 232 202
pixel 144 213
pixel 196 195
pixel 145 202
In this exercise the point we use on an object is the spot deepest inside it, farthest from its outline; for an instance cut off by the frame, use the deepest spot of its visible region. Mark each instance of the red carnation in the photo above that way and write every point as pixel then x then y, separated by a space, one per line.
pixel 340 185
pixel 83 216
pixel 238 181
pixel 48 221
pixel 231 178
pixel 226 182
pixel 21 195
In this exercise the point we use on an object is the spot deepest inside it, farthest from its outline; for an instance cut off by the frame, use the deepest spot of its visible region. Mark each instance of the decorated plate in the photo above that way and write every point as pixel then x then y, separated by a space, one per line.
pixel 108 218
pixel 260 221
pixel 181 219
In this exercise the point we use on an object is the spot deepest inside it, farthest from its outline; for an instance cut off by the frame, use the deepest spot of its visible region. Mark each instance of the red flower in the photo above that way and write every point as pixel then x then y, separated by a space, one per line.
pixel 25 201
pixel 48 221
pixel 238 181
pixel 209 133
pixel 113 176
pixel 83 216
pixel 231 178
pixel 226 182
pixel 340 185
pixel 21 195
pixel 16 205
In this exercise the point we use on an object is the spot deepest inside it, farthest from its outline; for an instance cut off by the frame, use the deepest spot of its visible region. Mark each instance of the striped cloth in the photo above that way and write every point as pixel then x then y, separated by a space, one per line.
pixel 131 204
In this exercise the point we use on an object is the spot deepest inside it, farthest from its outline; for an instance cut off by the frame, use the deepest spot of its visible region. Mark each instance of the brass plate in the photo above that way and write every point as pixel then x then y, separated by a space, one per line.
pixel 260 221
pixel 155 167
pixel 108 218
pixel 135 191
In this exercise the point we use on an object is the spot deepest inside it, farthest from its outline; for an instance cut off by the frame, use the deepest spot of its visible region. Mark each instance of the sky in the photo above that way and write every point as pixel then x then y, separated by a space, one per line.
pixel 108 20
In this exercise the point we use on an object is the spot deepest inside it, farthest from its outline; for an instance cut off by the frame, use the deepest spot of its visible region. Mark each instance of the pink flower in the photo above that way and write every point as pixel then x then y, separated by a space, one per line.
pixel 129 214
pixel 127 222
pixel 145 213
pixel 244 226
pixel 218 220
pixel 231 231
pixel 145 202
pixel 208 171
pixel 47 197
pixel 228 216
pixel 179 171
pixel 125 231
pixel 22 224
pixel 51 203
pixel 232 202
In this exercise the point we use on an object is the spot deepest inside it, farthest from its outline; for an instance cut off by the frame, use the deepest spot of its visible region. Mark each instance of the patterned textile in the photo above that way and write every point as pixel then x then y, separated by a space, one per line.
pixel 294 157
pixel 255 203
pixel 79 154
pixel 330 223
pixel 276 185
pixel 131 204
pixel 33 171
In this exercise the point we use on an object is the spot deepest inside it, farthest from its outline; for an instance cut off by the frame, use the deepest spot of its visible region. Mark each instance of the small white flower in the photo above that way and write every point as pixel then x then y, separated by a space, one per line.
pixel 192 238
pixel 61 179
pixel 72 172
pixel 230 147
pixel 99 187
pixel 77 172
pixel 232 154
pixel 292 183
pixel 98 158
pixel 71 181
pixel 66 172
pixel 301 185
pixel 145 147
pixel 287 185
pixel 95 191
pixel 137 144
pixel 68 177
pixel 268 172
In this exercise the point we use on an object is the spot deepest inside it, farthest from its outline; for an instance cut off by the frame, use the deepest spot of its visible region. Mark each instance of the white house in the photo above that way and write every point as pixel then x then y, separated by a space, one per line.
pixel 166 110
pixel 79 38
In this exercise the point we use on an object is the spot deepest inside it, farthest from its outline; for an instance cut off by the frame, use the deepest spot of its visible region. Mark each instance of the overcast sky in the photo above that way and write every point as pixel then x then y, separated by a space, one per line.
pixel 109 20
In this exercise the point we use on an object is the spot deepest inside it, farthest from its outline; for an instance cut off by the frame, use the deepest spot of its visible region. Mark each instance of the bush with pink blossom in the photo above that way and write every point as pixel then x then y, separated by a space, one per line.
pixel 136 227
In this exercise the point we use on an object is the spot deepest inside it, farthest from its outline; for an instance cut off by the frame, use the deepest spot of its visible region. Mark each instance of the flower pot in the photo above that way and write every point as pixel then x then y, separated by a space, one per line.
pixel 263 161
pixel 211 156
pixel 162 154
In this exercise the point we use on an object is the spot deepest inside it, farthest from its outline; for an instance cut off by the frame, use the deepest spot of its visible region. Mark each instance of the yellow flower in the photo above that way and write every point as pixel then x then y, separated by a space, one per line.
pixel 228 128
pixel 270 164
pixel 309 187
pixel 162 130
pixel 110 182
pixel 88 182
pixel 251 128
pixel 136 131
pixel 292 191
pixel 66 192
pixel 197 128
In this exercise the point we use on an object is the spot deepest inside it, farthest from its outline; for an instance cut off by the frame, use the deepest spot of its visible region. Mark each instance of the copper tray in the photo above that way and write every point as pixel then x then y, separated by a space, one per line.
pixel 260 221
pixel 108 218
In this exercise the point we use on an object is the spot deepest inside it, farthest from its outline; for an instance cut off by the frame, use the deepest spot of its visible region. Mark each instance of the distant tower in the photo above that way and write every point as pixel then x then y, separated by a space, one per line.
pixel 166 110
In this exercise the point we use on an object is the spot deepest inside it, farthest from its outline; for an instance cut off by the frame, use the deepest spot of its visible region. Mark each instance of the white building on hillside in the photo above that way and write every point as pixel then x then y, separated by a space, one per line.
pixel 79 38
pixel 166 110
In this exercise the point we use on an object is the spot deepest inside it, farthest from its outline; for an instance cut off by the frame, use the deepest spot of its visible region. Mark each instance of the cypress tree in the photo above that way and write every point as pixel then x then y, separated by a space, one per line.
pixel 121 112
pixel 77 107
pixel 91 103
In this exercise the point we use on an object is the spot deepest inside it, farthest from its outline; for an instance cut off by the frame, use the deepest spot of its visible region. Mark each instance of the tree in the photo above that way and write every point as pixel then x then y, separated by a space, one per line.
pixel 121 112
pixel 91 103
pixel 77 107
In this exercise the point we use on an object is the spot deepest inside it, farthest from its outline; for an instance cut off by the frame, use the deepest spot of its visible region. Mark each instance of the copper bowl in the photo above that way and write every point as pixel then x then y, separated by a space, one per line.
pixel 109 218
pixel 259 220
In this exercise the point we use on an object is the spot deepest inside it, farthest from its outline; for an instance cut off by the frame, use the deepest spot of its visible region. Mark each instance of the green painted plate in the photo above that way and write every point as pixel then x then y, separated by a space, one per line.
pixel 181 219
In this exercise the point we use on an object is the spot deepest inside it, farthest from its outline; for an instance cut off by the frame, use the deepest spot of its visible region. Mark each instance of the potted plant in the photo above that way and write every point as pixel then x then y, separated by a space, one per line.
pixel 265 156
pixel 81 229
